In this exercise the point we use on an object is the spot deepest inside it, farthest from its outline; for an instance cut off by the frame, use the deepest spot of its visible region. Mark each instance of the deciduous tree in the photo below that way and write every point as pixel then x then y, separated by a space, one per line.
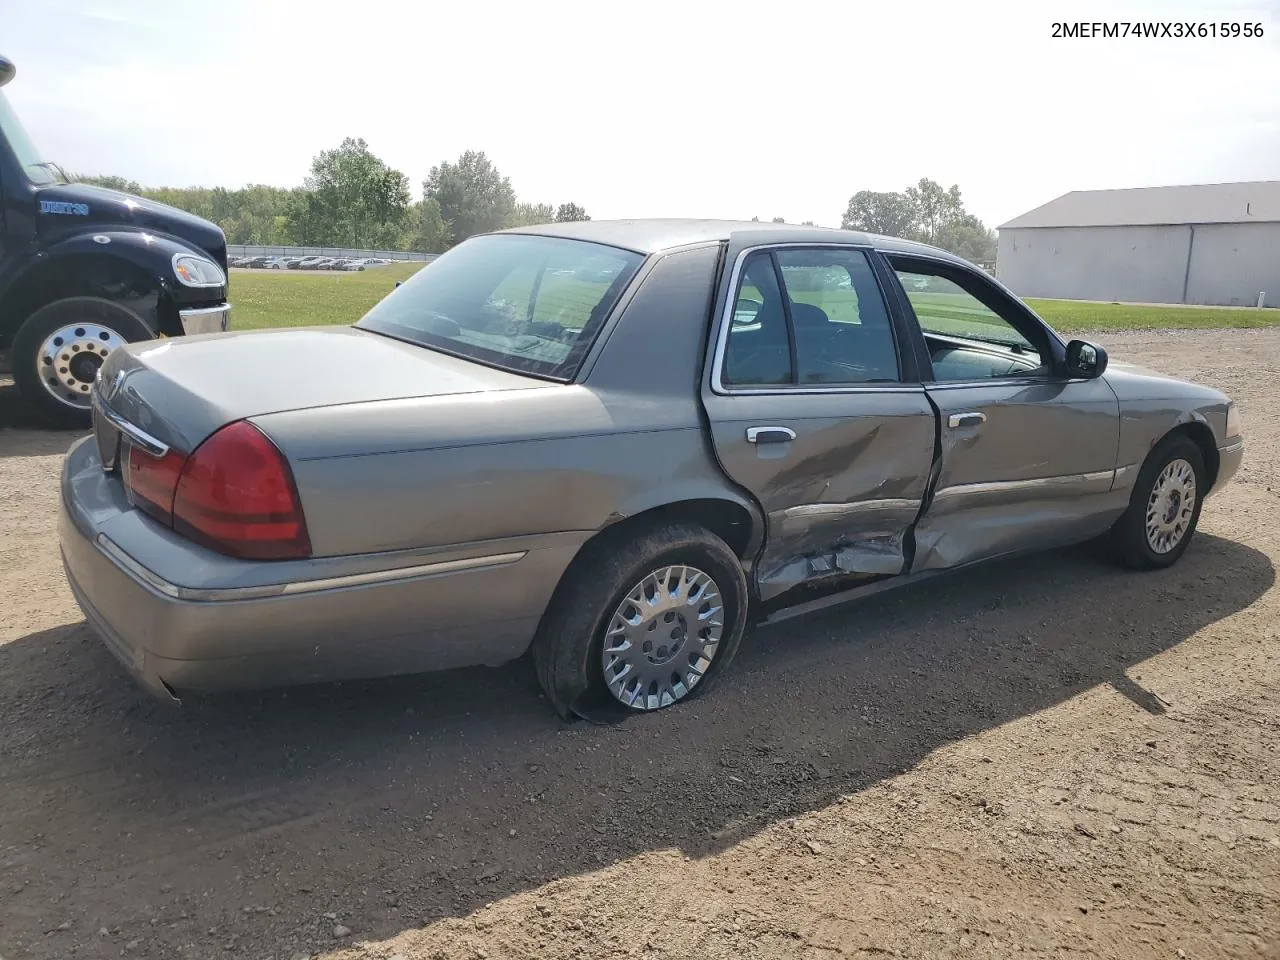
pixel 934 207
pixel 430 233
pixel 352 199
pixel 473 196
pixel 968 237
pixel 527 214
pixel 111 183
pixel 891 214
pixel 570 211
pixel 927 212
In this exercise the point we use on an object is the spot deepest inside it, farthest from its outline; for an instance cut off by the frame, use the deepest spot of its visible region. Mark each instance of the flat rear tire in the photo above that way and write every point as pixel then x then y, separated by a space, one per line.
pixel 642 621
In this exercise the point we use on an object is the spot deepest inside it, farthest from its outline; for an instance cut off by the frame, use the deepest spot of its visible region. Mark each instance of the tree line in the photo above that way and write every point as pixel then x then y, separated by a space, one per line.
pixel 351 198
pixel 926 212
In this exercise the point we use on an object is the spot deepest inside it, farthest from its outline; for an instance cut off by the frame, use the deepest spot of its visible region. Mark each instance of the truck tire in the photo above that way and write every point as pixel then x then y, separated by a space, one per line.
pixel 57 351
pixel 671 599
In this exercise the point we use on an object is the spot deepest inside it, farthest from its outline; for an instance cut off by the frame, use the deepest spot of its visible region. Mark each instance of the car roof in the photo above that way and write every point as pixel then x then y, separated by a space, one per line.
pixel 653 236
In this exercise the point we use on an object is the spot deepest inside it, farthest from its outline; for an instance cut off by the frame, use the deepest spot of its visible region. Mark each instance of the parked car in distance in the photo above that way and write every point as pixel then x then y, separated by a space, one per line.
pixel 505 454
pixel 276 263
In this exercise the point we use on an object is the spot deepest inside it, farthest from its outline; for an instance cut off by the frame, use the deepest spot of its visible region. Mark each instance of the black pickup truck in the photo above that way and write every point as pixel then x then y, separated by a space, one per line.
pixel 84 270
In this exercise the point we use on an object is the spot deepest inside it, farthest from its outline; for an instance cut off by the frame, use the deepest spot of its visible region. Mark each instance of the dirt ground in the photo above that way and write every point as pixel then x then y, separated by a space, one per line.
pixel 1050 757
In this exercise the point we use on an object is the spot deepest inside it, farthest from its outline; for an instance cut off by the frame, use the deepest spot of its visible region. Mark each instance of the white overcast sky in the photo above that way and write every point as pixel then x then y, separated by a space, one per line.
pixel 692 108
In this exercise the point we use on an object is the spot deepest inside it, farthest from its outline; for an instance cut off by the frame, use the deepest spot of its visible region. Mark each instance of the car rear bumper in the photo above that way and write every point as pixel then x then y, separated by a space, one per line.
pixel 450 612
pixel 205 319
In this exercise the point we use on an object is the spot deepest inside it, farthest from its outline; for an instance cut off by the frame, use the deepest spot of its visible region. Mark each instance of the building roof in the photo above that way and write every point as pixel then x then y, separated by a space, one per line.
pixel 1256 202
pixel 653 236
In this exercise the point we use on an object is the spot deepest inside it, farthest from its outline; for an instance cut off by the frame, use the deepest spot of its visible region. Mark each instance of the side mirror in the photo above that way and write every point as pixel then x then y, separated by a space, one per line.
pixel 1085 360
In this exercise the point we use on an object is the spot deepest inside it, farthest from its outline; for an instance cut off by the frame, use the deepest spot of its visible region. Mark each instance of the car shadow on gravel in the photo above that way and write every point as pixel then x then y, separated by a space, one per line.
pixel 387 804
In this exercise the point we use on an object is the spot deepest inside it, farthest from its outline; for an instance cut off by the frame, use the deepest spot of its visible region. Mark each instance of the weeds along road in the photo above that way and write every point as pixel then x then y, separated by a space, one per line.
pixel 1050 757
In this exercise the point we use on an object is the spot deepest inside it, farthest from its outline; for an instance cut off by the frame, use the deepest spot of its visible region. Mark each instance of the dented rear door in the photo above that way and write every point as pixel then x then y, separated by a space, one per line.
pixel 809 411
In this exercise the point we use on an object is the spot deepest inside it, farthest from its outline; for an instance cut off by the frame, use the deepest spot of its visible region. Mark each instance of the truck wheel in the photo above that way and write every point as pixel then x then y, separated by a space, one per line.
pixel 642 624
pixel 56 354
pixel 1164 507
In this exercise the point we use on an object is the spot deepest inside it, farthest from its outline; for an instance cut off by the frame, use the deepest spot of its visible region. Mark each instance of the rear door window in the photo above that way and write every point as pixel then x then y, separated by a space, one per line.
pixel 809 316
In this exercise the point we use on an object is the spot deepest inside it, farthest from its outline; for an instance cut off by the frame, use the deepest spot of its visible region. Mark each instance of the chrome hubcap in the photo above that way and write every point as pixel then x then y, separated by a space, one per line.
pixel 69 358
pixel 662 638
pixel 1169 508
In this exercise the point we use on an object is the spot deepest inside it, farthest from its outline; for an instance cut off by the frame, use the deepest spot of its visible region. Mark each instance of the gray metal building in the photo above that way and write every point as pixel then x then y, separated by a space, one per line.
pixel 1212 243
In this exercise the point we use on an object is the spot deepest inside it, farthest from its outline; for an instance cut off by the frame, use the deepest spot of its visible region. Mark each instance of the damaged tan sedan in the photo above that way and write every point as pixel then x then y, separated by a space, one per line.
pixel 615 444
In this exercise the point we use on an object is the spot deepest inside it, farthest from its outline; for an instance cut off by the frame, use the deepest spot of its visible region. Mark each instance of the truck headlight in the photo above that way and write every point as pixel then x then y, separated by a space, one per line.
pixel 193 271
pixel 1234 427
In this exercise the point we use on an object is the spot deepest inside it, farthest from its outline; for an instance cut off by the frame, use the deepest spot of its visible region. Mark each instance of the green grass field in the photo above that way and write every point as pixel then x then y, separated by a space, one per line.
pixel 263 299
pixel 292 298
pixel 1071 316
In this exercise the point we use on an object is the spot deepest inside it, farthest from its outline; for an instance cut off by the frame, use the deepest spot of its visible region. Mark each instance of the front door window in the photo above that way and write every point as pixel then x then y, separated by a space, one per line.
pixel 967 339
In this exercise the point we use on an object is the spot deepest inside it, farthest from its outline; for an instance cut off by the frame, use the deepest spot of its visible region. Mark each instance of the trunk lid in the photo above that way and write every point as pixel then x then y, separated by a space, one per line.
pixel 180 390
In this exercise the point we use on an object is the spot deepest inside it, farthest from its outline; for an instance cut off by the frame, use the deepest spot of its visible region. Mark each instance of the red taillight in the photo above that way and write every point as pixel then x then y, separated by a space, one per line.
pixel 153 480
pixel 236 495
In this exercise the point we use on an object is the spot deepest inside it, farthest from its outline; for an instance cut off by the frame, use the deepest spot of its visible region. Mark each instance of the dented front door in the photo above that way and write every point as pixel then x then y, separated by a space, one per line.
pixel 808 412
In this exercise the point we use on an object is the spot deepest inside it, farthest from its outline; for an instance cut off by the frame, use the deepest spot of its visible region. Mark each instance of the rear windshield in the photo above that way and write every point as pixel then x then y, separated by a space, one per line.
pixel 525 303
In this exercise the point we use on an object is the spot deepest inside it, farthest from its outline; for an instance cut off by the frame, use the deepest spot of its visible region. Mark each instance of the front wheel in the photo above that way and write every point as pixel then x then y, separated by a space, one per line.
pixel 56 354
pixel 1164 507
pixel 643 623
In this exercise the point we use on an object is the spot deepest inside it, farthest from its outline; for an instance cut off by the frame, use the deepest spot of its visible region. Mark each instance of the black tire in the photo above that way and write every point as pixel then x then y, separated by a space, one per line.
pixel 1129 541
pixel 123 323
pixel 567 652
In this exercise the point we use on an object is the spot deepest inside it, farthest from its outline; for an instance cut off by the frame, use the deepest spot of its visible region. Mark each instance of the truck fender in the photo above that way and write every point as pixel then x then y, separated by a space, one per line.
pixel 148 251
pixel 92 263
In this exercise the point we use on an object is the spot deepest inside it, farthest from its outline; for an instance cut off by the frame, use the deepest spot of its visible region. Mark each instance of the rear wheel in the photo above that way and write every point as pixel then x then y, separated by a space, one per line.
pixel 642 624
pixel 56 354
pixel 1164 507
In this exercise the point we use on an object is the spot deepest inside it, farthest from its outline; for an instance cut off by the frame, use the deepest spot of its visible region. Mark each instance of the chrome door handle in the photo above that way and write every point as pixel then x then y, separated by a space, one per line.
pixel 966 419
pixel 770 434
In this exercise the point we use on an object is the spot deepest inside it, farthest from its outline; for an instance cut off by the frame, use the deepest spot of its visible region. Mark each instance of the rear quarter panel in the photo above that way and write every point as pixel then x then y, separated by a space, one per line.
pixel 559 459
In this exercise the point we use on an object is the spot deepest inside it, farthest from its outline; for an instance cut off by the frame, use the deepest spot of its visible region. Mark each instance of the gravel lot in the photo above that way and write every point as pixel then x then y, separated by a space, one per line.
pixel 1048 757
